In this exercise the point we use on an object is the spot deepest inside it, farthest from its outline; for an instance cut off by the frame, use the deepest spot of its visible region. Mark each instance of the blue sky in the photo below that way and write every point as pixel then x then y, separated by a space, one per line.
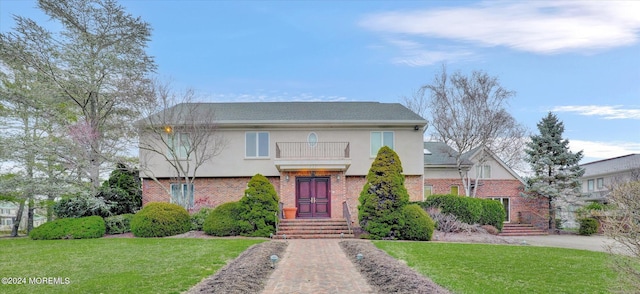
pixel 579 59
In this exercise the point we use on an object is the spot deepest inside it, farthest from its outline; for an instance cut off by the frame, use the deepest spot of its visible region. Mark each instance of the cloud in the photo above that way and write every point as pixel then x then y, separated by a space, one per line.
pixel 269 96
pixel 542 27
pixel 415 54
pixel 594 150
pixel 604 111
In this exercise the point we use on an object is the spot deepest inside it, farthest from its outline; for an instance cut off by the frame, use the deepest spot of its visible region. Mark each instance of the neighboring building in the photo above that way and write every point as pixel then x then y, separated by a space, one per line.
pixel 8 213
pixel 599 176
pixel 316 154
pixel 489 176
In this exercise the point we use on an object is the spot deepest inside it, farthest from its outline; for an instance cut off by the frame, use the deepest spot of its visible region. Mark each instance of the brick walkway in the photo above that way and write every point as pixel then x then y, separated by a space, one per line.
pixel 315 266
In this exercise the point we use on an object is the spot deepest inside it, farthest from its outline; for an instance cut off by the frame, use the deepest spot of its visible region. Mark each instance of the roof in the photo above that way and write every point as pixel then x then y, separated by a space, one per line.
pixel 441 154
pixel 611 165
pixel 302 112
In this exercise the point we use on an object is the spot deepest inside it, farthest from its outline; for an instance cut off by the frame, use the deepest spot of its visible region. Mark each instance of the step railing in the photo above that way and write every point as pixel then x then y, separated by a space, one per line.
pixel 347 214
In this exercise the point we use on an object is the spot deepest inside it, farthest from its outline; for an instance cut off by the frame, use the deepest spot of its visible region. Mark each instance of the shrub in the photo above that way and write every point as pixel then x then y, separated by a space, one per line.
pixel 118 224
pixel 449 223
pixel 81 205
pixel 223 220
pixel 258 208
pixel 493 213
pixel 418 225
pixel 198 218
pixel 160 219
pixel 588 226
pixel 70 228
pixel 383 197
pixel 122 190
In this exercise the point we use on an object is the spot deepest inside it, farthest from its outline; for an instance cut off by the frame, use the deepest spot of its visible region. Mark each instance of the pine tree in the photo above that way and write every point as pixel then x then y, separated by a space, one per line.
pixel 258 208
pixel 383 197
pixel 555 168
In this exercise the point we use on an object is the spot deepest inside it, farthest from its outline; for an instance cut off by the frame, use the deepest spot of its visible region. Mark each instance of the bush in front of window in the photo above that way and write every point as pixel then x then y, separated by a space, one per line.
pixel 383 197
pixel 466 209
pixel 118 224
pixel 418 225
pixel 258 208
pixel 70 228
pixel 160 219
pixel 198 218
pixel 493 213
pixel 223 220
pixel 588 226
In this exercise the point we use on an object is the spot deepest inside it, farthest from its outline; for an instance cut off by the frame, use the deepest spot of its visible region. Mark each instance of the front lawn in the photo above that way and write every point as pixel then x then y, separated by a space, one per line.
pixel 116 265
pixel 482 268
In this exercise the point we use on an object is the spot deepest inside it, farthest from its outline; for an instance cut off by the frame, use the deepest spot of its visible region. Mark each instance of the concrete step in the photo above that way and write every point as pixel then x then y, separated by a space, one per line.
pixel 521 230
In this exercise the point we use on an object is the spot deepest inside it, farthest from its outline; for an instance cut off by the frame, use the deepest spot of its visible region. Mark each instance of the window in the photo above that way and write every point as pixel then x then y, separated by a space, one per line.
pixel 256 144
pixel 600 183
pixel 179 145
pixel 379 139
pixel 312 139
pixel 182 195
pixel 428 191
pixel 590 185
pixel 483 171
pixel 454 190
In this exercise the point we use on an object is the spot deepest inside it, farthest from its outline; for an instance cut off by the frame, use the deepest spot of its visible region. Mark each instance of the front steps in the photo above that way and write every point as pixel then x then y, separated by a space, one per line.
pixel 313 229
pixel 521 230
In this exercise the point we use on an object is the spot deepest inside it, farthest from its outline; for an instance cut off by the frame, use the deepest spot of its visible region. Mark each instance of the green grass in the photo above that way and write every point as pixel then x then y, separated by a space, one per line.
pixel 482 268
pixel 116 265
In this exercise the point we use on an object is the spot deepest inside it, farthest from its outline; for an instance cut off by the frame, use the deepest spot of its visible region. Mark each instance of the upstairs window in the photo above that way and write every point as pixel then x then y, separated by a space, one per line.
pixel 590 185
pixel 600 183
pixel 257 144
pixel 483 171
pixel 379 139
pixel 178 145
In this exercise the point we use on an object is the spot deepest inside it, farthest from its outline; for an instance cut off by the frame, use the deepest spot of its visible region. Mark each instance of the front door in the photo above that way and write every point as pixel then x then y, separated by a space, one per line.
pixel 313 197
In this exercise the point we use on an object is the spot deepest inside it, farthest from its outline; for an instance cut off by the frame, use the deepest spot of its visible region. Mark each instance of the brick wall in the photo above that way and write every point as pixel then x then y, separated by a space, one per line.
pixel 208 192
pixel 522 210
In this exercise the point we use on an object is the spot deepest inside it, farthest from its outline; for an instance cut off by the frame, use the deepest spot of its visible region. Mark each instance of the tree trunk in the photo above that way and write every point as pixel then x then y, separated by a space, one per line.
pixel 30 216
pixel 16 222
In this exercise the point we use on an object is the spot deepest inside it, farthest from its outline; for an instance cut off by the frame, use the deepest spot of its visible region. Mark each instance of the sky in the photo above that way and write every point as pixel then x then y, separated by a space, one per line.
pixel 577 59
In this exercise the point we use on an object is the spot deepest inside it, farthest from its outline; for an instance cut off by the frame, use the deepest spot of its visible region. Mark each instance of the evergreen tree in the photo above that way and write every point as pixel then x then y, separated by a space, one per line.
pixel 556 173
pixel 122 189
pixel 383 197
pixel 258 208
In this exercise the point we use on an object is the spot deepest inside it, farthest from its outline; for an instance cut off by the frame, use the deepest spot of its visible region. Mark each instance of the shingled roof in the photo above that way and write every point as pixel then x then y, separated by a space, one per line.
pixel 441 154
pixel 304 112
pixel 611 165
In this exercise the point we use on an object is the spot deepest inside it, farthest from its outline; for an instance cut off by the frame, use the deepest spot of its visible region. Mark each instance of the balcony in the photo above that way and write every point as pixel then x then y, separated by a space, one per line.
pixel 318 156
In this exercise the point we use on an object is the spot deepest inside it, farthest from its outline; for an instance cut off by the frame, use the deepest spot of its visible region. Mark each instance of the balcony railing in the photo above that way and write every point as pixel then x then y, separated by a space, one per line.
pixel 319 150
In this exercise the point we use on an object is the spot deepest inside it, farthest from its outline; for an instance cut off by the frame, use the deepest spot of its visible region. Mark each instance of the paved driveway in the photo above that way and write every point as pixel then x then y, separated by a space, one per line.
pixel 593 243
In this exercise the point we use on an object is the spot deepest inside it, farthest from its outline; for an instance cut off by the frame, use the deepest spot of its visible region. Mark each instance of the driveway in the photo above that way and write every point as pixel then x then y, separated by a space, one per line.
pixel 592 243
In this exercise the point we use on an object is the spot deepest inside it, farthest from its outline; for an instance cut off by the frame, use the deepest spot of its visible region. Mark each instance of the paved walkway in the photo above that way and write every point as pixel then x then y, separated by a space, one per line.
pixel 315 266
pixel 592 243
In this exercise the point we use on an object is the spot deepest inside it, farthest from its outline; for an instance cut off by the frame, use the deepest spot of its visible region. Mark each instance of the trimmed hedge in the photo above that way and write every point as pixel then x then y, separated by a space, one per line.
pixel 70 228
pixel 160 219
pixel 118 224
pixel 493 213
pixel 468 210
pixel 222 221
pixel 588 226
pixel 418 225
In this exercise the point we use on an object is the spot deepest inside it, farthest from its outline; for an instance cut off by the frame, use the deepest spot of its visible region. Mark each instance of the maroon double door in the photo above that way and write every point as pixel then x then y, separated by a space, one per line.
pixel 313 197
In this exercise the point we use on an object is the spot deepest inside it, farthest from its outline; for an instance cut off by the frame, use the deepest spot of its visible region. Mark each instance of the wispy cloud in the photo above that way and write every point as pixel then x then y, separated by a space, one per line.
pixel 595 150
pixel 417 54
pixel 269 96
pixel 604 111
pixel 542 27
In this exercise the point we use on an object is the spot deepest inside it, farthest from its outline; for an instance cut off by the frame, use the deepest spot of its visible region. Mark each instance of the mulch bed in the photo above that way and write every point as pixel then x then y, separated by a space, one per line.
pixel 386 274
pixel 247 273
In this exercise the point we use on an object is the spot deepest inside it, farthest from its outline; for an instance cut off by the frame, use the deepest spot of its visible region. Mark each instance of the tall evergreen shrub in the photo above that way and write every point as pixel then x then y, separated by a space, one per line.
pixel 383 197
pixel 258 208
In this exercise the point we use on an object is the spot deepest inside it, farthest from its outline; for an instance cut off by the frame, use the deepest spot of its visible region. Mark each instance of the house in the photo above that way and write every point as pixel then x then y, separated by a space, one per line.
pixel 599 176
pixel 8 213
pixel 316 154
pixel 487 176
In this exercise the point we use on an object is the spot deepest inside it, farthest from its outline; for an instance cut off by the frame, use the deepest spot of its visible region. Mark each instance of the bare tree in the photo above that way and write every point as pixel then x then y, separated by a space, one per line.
pixel 468 112
pixel 179 133
pixel 623 225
